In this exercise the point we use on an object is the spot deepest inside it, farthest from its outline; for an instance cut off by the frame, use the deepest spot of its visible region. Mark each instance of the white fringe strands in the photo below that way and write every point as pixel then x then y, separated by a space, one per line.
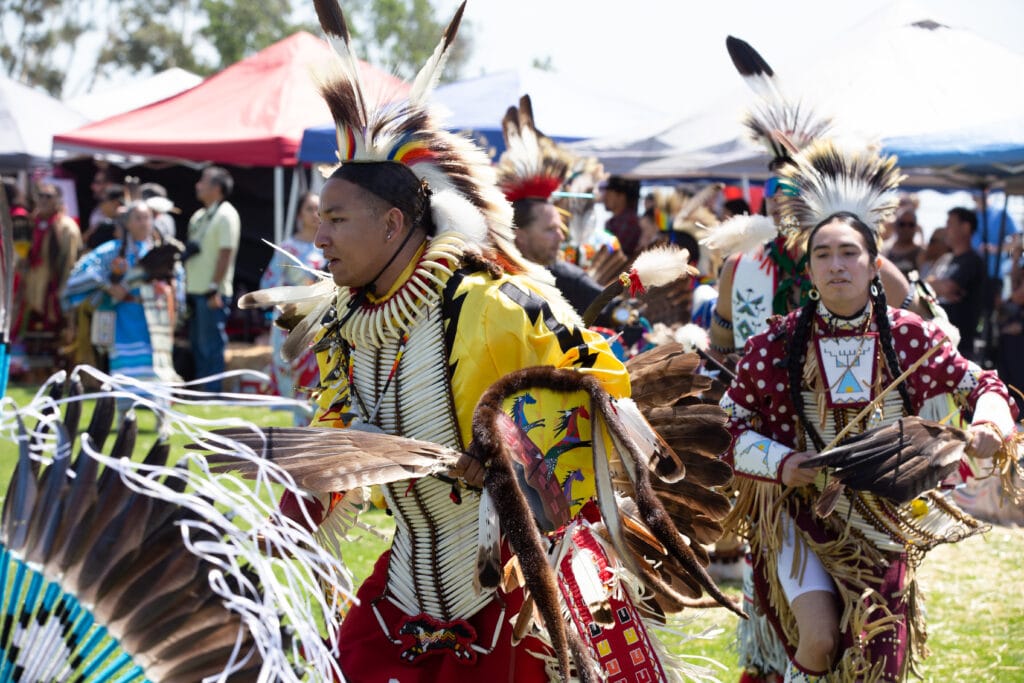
pixel 262 568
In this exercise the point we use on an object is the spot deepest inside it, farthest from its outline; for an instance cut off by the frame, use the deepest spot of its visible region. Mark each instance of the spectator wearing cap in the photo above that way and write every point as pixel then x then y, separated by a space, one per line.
pixel 621 198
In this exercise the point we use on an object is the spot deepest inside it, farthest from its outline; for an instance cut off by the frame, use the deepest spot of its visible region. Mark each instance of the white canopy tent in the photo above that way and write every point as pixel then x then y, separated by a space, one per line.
pixel 29 119
pixel 117 99
pixel 902 72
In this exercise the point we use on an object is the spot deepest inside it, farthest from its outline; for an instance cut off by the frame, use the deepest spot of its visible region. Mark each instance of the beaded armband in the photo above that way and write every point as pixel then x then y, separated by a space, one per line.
pixel 717 319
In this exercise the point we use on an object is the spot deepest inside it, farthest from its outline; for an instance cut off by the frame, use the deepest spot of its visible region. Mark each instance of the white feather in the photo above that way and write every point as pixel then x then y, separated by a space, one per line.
pixel 693 337
pixel 638 428
pixel 741 235
pixel 454 213
pixel 662 265
pixel 430 73
pixel 288 294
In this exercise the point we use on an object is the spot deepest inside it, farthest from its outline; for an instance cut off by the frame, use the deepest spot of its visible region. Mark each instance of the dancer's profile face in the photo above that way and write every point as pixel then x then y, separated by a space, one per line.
pixel 354 232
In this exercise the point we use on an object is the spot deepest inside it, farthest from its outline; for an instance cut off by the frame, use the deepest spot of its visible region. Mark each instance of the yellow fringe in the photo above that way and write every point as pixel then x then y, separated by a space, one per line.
pixel 864 610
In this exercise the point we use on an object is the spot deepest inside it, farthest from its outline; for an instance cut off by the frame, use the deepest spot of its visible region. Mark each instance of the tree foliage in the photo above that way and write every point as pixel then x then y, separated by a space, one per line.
pixel 40 40
pixel 31 35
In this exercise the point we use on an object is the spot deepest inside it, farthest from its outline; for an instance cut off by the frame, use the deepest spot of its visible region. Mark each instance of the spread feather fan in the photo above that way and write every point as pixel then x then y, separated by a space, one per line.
pixel 898 461
pixel 119 565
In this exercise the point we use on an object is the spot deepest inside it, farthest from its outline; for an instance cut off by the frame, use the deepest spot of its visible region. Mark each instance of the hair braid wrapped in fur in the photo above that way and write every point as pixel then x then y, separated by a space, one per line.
pixel 885 339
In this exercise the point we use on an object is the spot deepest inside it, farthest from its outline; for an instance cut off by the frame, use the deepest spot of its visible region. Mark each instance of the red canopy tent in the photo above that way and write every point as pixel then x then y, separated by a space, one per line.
pixel 252 113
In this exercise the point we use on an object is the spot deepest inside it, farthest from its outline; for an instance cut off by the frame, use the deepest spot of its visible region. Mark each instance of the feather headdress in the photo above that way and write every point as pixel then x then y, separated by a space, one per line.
pixel 532 166
pixel 775 113
pixel 458 173
pixel 825 179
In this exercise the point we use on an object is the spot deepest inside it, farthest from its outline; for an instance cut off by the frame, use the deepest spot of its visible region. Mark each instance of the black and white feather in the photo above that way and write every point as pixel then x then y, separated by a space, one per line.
pixel 775 113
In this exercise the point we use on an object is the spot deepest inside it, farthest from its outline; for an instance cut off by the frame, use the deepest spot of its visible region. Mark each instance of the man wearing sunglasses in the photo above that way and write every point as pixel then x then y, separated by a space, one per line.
pixel 905 253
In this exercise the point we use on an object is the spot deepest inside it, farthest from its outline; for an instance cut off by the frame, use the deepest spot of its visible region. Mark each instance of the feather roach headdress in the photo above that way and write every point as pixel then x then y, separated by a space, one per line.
pixel 115 566
pixel 775 113
pixel 532 166
pixel 464 197
pixel 824 180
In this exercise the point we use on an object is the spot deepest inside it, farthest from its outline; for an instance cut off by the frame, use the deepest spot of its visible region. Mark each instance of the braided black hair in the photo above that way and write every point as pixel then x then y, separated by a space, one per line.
pixel 881 311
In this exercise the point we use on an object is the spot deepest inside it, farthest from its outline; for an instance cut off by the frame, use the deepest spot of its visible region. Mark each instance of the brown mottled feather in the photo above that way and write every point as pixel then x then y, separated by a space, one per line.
pixel 337 459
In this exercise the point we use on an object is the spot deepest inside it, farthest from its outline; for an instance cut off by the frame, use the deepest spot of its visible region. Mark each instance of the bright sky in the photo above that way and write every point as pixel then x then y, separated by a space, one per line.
pixel 669 54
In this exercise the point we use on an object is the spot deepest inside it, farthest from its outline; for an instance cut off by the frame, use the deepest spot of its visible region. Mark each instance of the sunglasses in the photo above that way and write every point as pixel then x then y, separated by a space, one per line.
pixel 776 185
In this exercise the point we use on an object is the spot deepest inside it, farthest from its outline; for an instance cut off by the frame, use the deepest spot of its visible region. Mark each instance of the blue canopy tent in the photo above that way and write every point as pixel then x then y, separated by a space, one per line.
pixel 990 155
pixel 565 111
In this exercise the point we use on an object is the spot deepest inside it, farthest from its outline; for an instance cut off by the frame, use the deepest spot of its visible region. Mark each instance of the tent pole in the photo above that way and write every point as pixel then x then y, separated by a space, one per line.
pixel 278 204
pixel 293 198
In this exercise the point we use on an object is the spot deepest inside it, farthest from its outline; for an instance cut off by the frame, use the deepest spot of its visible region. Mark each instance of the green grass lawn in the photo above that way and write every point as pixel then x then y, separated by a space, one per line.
pixel 974 590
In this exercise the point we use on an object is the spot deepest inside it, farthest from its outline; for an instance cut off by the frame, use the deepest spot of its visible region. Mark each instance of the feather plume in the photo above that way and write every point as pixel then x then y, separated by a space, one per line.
pixel 695 205
pixel 652 268
pixel 6 285
pixel 488 559
pixel 741 235
pixel 532 165
pixel 662 265
pixel 693 338
pixel 774 112
pixel 430 73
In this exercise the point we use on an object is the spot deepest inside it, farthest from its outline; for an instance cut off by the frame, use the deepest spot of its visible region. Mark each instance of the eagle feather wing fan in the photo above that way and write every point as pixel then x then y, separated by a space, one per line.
pixel 138 571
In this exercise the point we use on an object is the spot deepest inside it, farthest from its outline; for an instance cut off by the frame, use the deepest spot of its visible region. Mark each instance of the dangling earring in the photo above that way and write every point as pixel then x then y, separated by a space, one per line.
pixel 813 294
pixel 873 289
